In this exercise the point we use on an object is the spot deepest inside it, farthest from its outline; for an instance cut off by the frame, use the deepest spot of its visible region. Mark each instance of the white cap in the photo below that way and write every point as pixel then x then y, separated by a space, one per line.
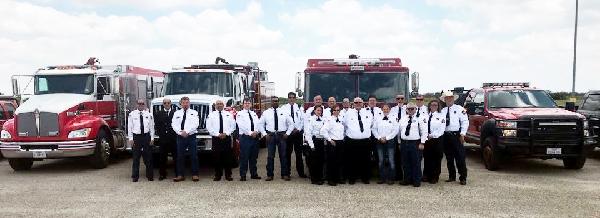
pixel 447 93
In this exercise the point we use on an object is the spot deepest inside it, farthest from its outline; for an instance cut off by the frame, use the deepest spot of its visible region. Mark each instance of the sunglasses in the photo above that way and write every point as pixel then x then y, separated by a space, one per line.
pixel 419 99
pixel 141 103
pixel 357 102
pixel 399 98
pixel 410 109
pixel 167 103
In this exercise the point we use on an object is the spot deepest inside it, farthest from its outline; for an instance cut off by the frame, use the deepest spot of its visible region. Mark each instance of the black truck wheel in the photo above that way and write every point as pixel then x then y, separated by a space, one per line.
pixel 101 156
pixel 574 163
pixel 490 154
pixel 20 164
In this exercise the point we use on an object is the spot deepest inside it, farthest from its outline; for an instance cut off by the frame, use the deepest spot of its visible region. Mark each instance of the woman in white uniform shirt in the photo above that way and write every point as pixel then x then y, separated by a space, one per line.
pixel 312 135
pixel 333 132
pixel 385 129
pixel 433 152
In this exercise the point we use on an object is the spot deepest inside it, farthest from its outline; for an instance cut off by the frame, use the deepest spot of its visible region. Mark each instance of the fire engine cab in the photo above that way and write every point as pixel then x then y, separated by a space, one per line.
pixel 516 120
pixel 75 111
pixel 354 76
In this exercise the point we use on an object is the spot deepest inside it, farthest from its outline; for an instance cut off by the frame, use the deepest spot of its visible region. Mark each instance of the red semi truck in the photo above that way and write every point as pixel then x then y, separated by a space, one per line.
pixel 75 111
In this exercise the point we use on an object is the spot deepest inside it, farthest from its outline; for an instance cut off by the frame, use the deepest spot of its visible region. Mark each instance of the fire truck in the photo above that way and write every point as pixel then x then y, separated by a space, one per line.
pixel 510 120
pixel 204 84
pixel 355 77
pixel 75 111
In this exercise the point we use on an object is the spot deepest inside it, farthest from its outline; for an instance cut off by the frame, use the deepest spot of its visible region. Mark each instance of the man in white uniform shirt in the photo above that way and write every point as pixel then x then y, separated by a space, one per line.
pixel 457 123
pixel 185 123
pixel 247 122
pixel 220 125
pixel 398 112
pixel 276 126
pixel 140 131
pixel 358 131
pixel 294 141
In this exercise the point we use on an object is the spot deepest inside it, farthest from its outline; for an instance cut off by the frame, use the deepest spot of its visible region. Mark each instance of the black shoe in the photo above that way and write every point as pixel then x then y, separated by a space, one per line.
pixel 255 177
pixel 351 182
pixel 134 179
pixel 269 178
pixel 433 181
pixel 331 183
pixel 161 178
pixel 319 183
pixel 451 180
pixel 229 178
pixel 286 178
pixel 380 182
pixel 463 182
pixel 302 176
pixel 217 179
pixel 390 182
pixel 417 184
pixel 404 183
pixel 151 179
pixel 243 179
pixel 424 179
pixel 365 181
pixel 343 181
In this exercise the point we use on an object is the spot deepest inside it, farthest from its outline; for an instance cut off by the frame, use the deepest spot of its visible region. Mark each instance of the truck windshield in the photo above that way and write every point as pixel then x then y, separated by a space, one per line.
pixel 343 85
pixel 76 84
pixel 592 103
pixel 212 83
pixel 520 99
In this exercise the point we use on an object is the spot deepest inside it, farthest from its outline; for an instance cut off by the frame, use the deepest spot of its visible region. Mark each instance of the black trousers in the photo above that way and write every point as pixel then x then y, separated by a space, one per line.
pixel 141 148
pixel 398 162
pixel 222 156
pixel 295 144
pixel 334 159
pixel 455 152
pixel 432 158
pixel 317 159
pixel 358 159
pixel 167 145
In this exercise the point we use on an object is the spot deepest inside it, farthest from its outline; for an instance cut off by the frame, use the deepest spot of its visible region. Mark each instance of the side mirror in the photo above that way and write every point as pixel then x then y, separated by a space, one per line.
pixel 570 106
pixel 15 87
pixel 474 109
pixel 81 107
pixel 251 93
pixel 298 84
pixel 414 82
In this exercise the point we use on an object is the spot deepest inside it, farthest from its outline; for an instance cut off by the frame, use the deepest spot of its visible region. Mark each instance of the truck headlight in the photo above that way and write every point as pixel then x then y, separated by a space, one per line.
pixel 5 135
pixel 507 124
pixel 80 133
pixel 586 133
pixel 509 133
pixel 586 125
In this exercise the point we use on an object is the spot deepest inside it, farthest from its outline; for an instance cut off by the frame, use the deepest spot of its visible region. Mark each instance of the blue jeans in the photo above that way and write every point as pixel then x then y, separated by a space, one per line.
pixel 248 155
pixel 386 151
pixel 276 141
pixel 411 161
pixel 190 144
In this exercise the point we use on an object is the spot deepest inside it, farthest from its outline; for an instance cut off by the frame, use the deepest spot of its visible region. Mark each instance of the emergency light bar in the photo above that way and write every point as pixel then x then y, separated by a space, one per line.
pixel 520 84
pixel 220 66
pixel 71 67
pixel 358 62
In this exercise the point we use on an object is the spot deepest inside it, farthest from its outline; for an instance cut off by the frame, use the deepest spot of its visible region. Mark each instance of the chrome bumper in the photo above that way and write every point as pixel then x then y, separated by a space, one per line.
pixel 52 150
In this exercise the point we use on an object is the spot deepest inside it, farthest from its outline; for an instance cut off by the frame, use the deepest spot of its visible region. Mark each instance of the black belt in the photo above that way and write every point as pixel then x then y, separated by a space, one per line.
pixel 271 133
pixel 452 133
pixel 145 134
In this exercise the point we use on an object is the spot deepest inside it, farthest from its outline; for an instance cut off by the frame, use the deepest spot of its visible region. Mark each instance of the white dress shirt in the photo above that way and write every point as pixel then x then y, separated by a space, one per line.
pixel 436 123
pixel 192 121
pixel 298 114
pixel 267 122
pixel 417 131
pixel 342 112
pixel 375 111
pixel 133 124
pixel 213 123
pixel 243 121
pixel 394 112
pixel 421 111
pixel 333 129
pixel 353 126
pixel 313 129
pixel 309 112
pixel 387 128
pixel 327 112
pixel 459 121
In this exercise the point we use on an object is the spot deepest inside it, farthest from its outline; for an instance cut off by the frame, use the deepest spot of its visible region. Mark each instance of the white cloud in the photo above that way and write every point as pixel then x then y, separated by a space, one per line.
pixel 142 4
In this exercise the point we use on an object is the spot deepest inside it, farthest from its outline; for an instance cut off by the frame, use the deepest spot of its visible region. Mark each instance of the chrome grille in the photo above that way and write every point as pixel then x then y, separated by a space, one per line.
pixel 27 127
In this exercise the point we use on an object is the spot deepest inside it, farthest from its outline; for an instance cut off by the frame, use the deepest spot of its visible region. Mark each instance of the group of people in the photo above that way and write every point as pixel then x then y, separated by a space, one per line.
pixel 338 143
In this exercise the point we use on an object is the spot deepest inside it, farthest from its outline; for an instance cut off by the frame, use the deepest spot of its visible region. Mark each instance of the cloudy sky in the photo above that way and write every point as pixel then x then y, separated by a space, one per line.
pixel 450 42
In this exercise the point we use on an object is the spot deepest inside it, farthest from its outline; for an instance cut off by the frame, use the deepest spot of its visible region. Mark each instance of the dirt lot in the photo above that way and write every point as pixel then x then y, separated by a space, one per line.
pixel 523 188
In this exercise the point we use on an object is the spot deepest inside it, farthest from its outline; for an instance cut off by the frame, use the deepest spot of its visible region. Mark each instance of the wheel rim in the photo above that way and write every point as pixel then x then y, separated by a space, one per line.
pixel 106 147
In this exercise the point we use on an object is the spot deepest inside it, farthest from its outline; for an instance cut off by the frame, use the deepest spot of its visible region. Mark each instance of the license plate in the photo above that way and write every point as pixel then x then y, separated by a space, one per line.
pixel 39 154
pixel 553 150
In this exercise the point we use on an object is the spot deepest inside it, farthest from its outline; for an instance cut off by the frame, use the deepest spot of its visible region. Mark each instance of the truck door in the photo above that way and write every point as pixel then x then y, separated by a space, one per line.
pixel 105 103
pixel 474 104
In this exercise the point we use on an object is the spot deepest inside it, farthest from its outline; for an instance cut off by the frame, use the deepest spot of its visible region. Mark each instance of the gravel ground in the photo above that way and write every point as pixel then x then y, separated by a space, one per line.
pixel 523 188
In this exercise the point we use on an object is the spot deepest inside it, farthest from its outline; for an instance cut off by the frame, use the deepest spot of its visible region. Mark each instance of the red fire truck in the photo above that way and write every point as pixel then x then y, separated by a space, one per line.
pixel 354 76
pixel 75 111
pixel 204 84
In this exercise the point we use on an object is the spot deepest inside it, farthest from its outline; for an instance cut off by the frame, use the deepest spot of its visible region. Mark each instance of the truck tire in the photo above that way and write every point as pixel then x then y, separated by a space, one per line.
pixel 574 163
pixel 20 164
pixel 490 154
pixel 102 152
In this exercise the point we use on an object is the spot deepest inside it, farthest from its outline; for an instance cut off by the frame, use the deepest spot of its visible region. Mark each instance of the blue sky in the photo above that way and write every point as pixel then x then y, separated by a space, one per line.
pixel 450 42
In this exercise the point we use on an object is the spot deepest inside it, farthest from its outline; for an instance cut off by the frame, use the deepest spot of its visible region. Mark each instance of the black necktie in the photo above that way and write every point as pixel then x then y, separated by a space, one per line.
pixel 183 120
pixel 360 123
pixel 372 112
pixel 141 123
pixel 418 112
pixel 429 124
pixel 220 122
pixel 292 112
pixel 318 118
pixel 399 112
pixel 337 120
pixel 448 116
pixel 407 131
pixel 385 118
pixel 251 121
pixel 276 119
